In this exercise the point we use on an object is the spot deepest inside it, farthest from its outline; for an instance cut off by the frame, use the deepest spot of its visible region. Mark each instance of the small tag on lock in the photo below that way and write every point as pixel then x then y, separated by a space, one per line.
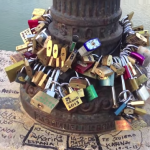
pixel 44 102
pixel 72 100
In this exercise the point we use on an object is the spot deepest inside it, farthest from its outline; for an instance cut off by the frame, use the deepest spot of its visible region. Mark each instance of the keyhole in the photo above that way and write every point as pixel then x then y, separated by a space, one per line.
pixel 40 106
pixel 93 43
pixel 55 51
pixel 49 48
pixel 63 54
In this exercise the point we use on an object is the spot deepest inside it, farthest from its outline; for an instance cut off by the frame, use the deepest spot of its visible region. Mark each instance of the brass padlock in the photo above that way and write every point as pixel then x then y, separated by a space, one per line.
pixel 12 70
pixel 132 60
pixel 56 50
pixel 117 68
pixel 58 62
pixel 79 91
pixel 28 68
pixel 78 83
pixel 69 61
pixel 50 45
pixel 39 18
pixel 64 53
pixel 34 46
pixel 136 39
pixel 22 47
pixel 40 27
pixel 16 58
pixel 138 28
pixel 46 41
pixel 52 62
pixel 43 81
pixel 38 12
pixel 72 100
pixel 137 103
pixel 44 102
pixel 103 71
pixel 128 111
pixel 88 59
pixel 138 111
pixel 38 76
pixel 130 15
pixel 89 74
pixel 96 65
pixel 107 60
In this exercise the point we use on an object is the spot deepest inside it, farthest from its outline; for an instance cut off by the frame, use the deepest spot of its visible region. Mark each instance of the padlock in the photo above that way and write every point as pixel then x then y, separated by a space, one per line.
pixel 72 100
pixel 96 65
pixel 38 12
pixel 16 58
pixel 36 70
pixel 38 77
pixel 88 59
pixel 128 111
pixel 78 83
pixel 131 83
pixel 138 28
pixel 123 106
pixel 90 92
pixel 143 93
pixel 52 62
pixel 32 23
pixel 64 53
pixel 137 103
pixel 130 15
pixel 146 53
pixel 46 41
pixel 136 39
pixel 42 57
pixel 138 111
pixel 28 68
pixel 89 47
pixel 58 62
pixel 69 61
pixel 29 55
pixel 89 74
pixel 44 102
pixel 42 82
pixel 142 78
pixel 12 70
pixel 21 76
pixel 49 81
pixel 51 92
pixel 117 68
pixel 24 33
pixel 40 18
pixel 50 45
pixel 132 60
pixel 40 27
pixel 107 60
pixel 81 67
pixel 42 36
pixel 106 81
pixel 132 69
pixel 75 39
pixel 22 47
pixel 103 71
pixel 56 50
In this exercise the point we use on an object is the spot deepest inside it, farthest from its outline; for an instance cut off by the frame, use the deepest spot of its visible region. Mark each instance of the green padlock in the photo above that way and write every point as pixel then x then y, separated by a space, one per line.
pixel 90 92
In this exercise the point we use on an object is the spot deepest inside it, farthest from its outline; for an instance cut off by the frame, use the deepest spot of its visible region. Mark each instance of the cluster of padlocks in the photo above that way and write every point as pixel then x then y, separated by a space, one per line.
pixel 47 63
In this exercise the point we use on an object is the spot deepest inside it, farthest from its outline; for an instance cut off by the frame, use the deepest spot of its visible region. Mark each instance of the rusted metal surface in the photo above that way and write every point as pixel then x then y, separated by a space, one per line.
pixel 87 19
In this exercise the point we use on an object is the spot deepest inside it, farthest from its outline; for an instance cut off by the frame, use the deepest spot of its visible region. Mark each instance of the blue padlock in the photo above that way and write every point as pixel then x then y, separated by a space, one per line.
pixel 124 105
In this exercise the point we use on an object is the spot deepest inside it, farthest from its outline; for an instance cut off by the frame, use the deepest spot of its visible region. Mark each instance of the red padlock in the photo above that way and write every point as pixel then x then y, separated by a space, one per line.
pixel 29 55
pixel 32 23
pixel 81 67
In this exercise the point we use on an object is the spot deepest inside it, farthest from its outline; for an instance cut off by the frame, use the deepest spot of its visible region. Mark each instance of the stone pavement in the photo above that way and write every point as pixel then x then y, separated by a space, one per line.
pixel 20 132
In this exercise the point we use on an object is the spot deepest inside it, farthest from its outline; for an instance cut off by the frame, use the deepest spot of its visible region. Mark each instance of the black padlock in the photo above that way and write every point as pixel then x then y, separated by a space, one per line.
pixel 21 76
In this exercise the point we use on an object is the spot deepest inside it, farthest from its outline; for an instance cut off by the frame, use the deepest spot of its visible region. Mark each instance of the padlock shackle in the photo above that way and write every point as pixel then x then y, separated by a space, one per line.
pixel 88 82
pixel 131 45
pixel 22 69
pixel 130 96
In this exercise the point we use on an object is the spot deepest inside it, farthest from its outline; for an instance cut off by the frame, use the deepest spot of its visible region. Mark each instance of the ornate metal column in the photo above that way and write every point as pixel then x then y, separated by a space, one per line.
pixel 87 19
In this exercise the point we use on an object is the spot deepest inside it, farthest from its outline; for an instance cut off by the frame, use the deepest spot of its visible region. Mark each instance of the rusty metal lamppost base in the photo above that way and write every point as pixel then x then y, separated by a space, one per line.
pixel 70 122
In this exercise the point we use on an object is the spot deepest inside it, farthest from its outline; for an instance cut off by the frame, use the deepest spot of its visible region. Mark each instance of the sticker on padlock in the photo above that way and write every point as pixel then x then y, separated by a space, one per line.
pixel 81 67
pixel 21 76
pixel 72 100
pixel 89 47
pixel 12 70
pixel 44 102
pixel 90 92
